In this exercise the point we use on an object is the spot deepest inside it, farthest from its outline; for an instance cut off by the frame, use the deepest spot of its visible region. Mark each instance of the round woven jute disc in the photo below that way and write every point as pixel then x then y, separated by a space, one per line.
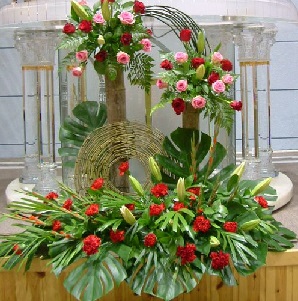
pixel 105 147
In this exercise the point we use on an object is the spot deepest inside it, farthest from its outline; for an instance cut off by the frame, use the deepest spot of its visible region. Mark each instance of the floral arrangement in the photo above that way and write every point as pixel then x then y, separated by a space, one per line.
pixel 159 241
pixel 204 81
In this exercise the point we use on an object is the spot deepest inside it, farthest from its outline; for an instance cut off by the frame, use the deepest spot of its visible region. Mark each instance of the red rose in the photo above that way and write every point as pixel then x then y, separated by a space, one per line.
pixel 16 248
pixel 230 226
pixel 91 244
pixel 124 166
pixel 159 190
pixel 219 260
pixel 67 204
pixel 56 225
pixel 97 184
pixel 185 35
pixel 126 38
pixel 197 61
pixel 155 209
pixel 226 65
pixel 101 56
pixel 166 64
pixel 52 195
pixel 117 236
pixel 131 207
pixel 178 105
pixel 139 7
pixel 186 253
pixel 150 240
pixel 69 28
pixel 85 26
pixel 236 105
pixel 178 205
pixel 213 77
pixel 92 209
pixel 201 224
pixel 262 201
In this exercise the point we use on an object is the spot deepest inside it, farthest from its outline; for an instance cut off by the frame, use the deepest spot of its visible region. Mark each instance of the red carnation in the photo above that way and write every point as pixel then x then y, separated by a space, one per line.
pixel 69 28
pixel 85 26
pixel 219 260
pixel 91 244
pixel 159 190
pixel 166 64
pixel 178 205
pixel 124 166
pixel 97 184
pixel 56 225
pixel 150 240
pixel 262 201
pixel 126 38
pixel 92 209
pixel 101 56
pixel 178 105
pixel 139 7
pixel 155 209
pixel 185 35
pixel 67 204
pixel 51 196
pixel 230 226
pixel 186 253
pixel 236 105
pixel 213 77
pixel 226 65
pixel 197 61
pixel 201 224
pixel 117 236
pixel 131 207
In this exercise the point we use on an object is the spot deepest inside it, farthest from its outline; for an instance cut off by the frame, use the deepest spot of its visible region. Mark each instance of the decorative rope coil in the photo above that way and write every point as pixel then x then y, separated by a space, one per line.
pixel 107 146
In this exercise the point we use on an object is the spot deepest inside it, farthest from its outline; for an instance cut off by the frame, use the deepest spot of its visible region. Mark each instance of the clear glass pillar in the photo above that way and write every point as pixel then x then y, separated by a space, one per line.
pixel 254 43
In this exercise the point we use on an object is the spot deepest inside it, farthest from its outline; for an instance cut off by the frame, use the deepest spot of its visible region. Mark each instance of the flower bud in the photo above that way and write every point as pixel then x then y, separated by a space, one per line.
pixel 200 72
pixel 100 40
pixel 181 189
pixel 261 186
pixel 154 169
pixel 250 225
pixel 214 242
pixel 201 42
pixel 127 215
pixel 136 186
pixel 79 10
pixel 239 170
pixel 105 10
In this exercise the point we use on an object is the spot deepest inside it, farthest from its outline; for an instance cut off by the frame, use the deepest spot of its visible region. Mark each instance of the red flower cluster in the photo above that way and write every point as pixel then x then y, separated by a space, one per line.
pixel 178 105
pixel 85 26
pixel 67 204
pixel 185 35
pixel 92 209
pixel 16 248
pixel 219 260
pixel 150 240
pixel 51 196
pixel 155 209
pixel 139 7
pixel 226 65
pixel 91 244
pixel 236 105
pixel 197 61
pixel 201 224
pixel 195 192
pixel 117 236
pixel 166 64
pixel 97 184
pixel 230 226
pixel 56 225
pixel 131 207
pixel 178 205
pixel 159 190
pixel 186 253
pixel 124 166
pixel 262 201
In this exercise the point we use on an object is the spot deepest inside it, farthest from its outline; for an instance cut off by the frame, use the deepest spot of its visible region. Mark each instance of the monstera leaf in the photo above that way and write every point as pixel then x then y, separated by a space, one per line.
pixel 88 116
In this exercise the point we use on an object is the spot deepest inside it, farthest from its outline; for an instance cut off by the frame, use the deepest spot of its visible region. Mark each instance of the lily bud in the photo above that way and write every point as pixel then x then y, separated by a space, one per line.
pixel 79 10
pixel 200 72
pixel 100 40
pixel 250 225
pixel 154 169
pixel 136 185
pixel 181 189
pixel 201 42
pixel 261 186
pixel 214 242
pixel 127 215
pixel 239 170
pixel 105 9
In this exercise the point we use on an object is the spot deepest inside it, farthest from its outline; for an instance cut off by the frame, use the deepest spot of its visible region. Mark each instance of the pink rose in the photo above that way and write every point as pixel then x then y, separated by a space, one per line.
pixel 181 57
pixel 126 18
pixel 198 102
pixel 82 55
pixel 123 58
pixel 161 85
pixel 98 18
pixel 218 86
pixel 147 46
pixel 77 71
pixel 181 85
pixel 227 79
pixel 216 58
